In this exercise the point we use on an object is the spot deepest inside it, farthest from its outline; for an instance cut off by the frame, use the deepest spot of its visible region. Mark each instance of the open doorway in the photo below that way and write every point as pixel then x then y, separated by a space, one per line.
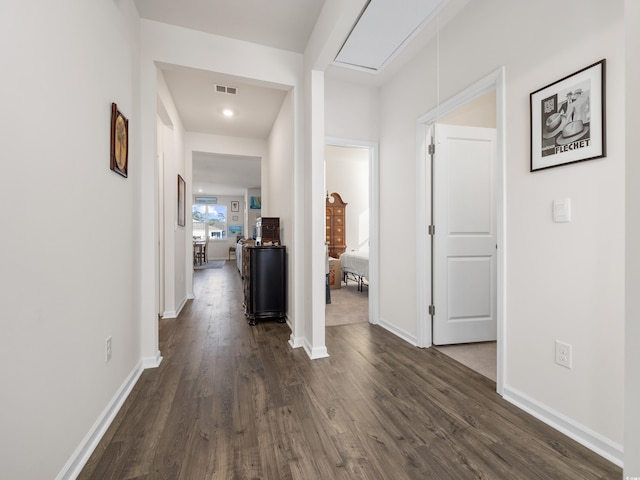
pixel 347 233
pixel 481 107
pixel 464 254
pixel 351 188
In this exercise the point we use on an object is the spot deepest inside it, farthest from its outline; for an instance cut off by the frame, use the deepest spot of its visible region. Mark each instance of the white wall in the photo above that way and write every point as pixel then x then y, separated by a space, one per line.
pixel 279 200
pixel 480 112
pixel 174 237
pixel 69 244
pixel 352 111
pixel 347 173
pixel 632 259
pixel 565 281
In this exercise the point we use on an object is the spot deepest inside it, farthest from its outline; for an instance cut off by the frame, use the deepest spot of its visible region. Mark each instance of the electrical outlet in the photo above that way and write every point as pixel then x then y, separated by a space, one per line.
pixel 107 350
pixel 563 354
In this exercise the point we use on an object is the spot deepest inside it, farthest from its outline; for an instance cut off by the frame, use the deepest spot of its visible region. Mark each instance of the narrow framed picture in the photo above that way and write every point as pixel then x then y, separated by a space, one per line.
pixel 235 206
pixel 119 159
pixel 568 119
pixel 181 201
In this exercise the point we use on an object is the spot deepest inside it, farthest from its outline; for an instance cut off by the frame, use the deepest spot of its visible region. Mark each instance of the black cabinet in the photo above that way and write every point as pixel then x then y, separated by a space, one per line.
pixel 265 286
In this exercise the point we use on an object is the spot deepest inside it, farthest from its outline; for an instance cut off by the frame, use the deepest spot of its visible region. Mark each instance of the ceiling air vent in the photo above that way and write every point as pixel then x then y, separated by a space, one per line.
pixel 225 89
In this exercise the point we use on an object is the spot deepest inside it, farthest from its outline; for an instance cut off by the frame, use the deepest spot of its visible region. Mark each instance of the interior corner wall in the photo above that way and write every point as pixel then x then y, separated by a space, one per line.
pixel 172 155
pixel 565 281
pixel 70 256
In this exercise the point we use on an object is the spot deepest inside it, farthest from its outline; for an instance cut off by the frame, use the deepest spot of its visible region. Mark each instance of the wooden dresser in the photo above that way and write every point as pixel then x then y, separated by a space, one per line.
pixel 336 234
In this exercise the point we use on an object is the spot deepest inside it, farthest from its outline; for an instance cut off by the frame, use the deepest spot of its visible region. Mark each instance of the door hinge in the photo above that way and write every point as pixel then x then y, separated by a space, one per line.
pixel 432 310
pixel 432 230
pixel 432 149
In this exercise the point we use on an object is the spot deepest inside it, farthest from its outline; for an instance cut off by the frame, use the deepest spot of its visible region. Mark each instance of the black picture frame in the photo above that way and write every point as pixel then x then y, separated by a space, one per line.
pixel 235 206
pixel 568 119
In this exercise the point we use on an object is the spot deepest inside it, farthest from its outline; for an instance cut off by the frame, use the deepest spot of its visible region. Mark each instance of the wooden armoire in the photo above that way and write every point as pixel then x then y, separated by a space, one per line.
pixel 336 232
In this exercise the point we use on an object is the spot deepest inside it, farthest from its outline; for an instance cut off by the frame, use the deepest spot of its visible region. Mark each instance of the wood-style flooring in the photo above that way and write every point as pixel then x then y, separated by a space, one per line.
pixel 231 401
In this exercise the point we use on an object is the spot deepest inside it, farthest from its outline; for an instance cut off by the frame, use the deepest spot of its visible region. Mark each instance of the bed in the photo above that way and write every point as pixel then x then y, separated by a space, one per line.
pixel 355 265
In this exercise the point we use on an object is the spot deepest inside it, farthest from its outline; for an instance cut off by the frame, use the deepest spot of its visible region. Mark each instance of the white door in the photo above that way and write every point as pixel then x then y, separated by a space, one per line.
pixel 464 240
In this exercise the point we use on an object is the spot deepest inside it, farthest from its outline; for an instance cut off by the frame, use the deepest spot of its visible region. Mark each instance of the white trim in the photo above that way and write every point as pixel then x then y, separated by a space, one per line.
pixel 296 342
pixel 315 352
pixel 79 458
pixel 374 219
pixel 493 81
pixel 592 440
pixel 175 313
pixel 398 332
pixel 152 362
pixel 423 240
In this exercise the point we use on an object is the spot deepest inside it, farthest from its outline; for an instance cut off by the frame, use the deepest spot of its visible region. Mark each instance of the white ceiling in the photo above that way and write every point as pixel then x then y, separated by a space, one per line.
pixel 284 24
pixel 215 174
pixel 200 106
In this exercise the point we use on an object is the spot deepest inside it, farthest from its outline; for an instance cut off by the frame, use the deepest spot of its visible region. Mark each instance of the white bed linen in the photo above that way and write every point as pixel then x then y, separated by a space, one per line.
pixel 356 263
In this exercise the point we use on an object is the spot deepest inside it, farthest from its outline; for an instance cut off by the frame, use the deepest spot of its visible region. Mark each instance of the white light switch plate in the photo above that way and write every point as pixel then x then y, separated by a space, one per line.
pixel 562 210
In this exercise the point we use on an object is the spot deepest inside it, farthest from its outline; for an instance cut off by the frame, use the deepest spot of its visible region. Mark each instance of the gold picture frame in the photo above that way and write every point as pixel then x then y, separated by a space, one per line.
pixel 119 142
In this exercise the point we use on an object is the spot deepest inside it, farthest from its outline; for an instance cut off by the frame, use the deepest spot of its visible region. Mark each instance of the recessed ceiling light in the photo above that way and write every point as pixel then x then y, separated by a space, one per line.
pixel 227 113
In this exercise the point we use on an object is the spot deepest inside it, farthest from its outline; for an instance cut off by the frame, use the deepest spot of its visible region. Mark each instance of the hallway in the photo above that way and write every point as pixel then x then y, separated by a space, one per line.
pixel 231 401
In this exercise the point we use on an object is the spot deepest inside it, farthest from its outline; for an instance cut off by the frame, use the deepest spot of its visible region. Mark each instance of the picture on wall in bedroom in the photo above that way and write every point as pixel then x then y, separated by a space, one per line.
pixel 568 119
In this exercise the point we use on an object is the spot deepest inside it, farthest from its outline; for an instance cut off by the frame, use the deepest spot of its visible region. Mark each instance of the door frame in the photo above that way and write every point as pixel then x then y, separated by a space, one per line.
pixel 493 81
pixel 374 195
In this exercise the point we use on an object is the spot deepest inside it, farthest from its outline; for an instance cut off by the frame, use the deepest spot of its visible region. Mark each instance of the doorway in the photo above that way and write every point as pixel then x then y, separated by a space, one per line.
pixel 362 221
pixel 347 227
pixel 469 107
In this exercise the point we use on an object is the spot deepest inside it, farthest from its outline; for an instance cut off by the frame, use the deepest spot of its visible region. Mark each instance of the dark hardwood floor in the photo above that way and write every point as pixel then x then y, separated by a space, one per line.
pixel 231 401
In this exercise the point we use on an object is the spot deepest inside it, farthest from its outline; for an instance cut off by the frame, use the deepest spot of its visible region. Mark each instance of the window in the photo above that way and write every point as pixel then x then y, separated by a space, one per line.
pixel 209 221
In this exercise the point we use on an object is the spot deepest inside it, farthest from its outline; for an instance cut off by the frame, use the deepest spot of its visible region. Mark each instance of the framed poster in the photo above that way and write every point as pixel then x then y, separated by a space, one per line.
pixel 181 201
pixel 119 159
pixel 235 206
pixel 568 119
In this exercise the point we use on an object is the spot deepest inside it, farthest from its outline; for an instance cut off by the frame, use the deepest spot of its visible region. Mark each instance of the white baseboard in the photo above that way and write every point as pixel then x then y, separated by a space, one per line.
pixel 175 313
pixel 315 353
pixel 152 362
pixel 77 461
pixel 578 432
pixel 296 342
pixel 398 332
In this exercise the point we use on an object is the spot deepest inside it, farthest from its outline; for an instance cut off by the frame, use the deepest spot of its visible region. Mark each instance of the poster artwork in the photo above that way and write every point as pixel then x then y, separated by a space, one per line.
pixel 565 118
